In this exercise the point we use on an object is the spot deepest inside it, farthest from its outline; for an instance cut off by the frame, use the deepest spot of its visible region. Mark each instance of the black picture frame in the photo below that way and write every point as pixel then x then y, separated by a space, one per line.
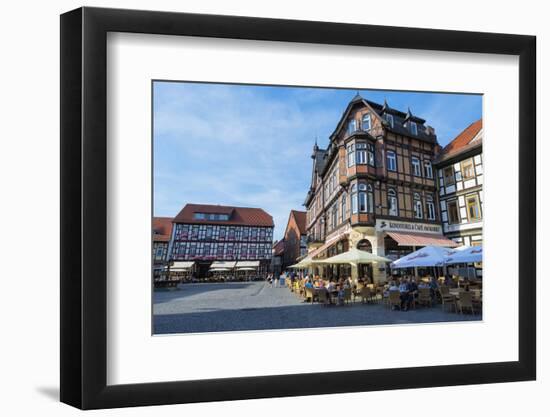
pixel 84 207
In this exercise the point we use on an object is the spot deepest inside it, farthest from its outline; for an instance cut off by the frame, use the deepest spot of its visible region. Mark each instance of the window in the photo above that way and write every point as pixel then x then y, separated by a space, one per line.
pixel 452 212
pixel 416 166
pixel 366 122
pixel 414 128
pixel 370 199
pixel 389 119
pixel 354 199
pixel 473 209
pixel 351 155
pixel 370 154
pixel 417 206
pixel 352 126
pixel 392 162
pixel 199 216
pixel 449 175
pixel 392 202
pixel 468 169
pixel 428 172
pixel 430 207
pixel 361 153
pixel 334 215
pixel 362 198
pixel 343 208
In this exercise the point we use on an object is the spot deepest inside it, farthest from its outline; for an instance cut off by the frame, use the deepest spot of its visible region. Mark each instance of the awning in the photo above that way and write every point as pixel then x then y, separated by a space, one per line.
pixel 248 264
pixel 328 243
pixel 222 264
pixel 181 265
pixel 421 239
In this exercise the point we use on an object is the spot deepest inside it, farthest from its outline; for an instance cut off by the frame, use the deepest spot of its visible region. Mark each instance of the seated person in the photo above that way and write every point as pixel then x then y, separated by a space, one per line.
pixel 404 289
pixel 308 284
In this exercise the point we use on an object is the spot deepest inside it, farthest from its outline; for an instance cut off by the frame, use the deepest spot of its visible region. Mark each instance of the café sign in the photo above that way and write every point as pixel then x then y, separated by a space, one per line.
pixel 396 226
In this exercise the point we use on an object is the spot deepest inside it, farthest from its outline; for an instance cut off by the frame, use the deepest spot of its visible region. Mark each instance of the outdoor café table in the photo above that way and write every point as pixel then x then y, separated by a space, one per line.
pixel 455 291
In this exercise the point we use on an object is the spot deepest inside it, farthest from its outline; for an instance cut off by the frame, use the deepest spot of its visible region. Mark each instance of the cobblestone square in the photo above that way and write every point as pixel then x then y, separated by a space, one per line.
pixel 240 306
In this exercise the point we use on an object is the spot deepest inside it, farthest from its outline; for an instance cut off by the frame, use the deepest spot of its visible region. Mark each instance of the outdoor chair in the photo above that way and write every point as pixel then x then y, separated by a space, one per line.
pixel 309 294
pixel 424 297
pixel 347 295
pixel 465 301
pixel 365 294
pixel 447 299
pixel 394 299
pixel 322 297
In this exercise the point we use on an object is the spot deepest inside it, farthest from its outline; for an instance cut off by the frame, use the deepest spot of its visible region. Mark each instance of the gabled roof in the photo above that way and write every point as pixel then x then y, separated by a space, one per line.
pixel 466 140
pixel 300 219
pixel 399 119
pixel 242 216
pixel 162 229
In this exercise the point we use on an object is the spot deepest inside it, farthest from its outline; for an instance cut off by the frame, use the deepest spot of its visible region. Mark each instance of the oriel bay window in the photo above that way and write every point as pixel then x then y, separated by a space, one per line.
pixel 354 198
pixel 370 154
pixel 391 161
pixel 351 155
pixel 417 206
pixel 416 166
pixel 361 151
pixel 473 209
pixel 392 203
pixel 430 207
pixel 366 198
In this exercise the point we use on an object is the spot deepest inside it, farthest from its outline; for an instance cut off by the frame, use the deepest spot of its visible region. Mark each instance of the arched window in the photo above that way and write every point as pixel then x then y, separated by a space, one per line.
pixel 354 199
pixel 343 208
pixel 430 207
pixel 417 206
pixel 370 199
pixel 392 202
pixel 366 122
pixel 428 172
pixel 362 198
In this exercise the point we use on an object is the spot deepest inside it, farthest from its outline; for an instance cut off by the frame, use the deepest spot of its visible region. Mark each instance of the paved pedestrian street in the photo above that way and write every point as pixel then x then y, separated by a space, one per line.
pixel 238 306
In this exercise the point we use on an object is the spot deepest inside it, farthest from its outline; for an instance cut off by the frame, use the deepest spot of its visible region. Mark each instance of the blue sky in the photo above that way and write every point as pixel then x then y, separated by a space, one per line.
pixel 250 146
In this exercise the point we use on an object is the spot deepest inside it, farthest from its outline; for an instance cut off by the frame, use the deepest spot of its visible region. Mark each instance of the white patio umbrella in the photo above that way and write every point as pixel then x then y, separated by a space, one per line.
pixel 304 263
pixel 246 269
pixel 220 269
pixel 354 256
pixel 427 256
pixel 468 254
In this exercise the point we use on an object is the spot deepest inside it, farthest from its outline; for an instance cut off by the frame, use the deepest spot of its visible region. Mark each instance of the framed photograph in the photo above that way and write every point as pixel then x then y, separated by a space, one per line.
pixel 260 208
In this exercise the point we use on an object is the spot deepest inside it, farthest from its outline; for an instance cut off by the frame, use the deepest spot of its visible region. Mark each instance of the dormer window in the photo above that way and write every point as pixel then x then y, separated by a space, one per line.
pixel 389 119
pixel 413 128
pixel 352 126
pixel 366 122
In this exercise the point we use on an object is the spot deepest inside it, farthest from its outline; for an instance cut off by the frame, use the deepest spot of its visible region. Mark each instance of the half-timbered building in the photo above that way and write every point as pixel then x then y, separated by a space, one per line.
pixel 162 230
pixel 231 236
pixel 460 174
pixel 374 187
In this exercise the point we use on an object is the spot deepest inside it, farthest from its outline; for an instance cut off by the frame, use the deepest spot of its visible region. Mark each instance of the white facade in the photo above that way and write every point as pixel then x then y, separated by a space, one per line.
pixel 460 185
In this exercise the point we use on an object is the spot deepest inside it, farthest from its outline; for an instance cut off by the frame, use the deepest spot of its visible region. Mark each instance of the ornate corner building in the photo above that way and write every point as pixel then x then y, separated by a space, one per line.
pixel 374 188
